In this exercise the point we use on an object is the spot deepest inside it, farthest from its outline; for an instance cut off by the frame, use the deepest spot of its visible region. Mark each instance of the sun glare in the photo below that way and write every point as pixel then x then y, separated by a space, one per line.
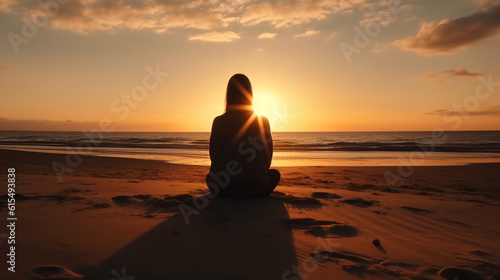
pixel 264 104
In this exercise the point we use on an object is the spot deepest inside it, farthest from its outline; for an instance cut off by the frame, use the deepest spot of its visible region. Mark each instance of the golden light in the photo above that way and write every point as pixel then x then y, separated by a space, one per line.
pixel 265 104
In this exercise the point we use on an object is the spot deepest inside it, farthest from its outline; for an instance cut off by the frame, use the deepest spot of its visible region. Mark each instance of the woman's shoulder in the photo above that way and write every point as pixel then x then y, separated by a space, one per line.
pixel 221 121
pixel 265 120
pixel 231 115
pixel 220 118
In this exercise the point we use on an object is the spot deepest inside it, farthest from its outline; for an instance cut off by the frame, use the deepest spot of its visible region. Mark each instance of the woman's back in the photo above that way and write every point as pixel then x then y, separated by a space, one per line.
pixel 238 136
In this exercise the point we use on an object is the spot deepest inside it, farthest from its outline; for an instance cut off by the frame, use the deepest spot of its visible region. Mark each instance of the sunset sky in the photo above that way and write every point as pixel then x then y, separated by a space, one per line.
pixel 315 65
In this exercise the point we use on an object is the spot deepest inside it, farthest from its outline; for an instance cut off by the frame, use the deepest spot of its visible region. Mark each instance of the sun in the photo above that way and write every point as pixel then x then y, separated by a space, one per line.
pixel 264 105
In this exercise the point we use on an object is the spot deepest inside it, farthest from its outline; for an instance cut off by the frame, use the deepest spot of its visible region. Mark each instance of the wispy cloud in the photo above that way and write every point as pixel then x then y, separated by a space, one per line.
pixel 83 16
pixel 226 36
pixel 87 16
pixel 488 111
pixel 281 14
pixel 292 12
pixel 449 35
pixel 159 16
pixel 267 35
pixel 307 33
pixel 459 72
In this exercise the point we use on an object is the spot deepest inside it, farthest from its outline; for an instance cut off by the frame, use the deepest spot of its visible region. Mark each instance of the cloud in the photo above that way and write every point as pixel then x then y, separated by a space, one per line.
pixel 85 16
pixel 214 36
pixel 267 35
pixel 488 111
pixel 459 72
pixel 307 33
pixel 449 35
pixel 88 16
pixel 384 17
pixel 282 14
pixel 158 16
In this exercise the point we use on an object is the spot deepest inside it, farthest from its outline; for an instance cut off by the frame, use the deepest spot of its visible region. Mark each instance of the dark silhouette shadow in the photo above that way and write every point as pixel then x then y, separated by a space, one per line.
pixel 229 239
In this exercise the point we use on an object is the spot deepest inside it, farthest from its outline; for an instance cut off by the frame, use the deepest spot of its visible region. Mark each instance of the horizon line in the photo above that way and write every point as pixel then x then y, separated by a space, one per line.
pixel 305 131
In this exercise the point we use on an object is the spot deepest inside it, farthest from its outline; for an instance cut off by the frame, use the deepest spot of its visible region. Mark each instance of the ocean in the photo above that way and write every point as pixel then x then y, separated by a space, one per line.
pixel 290 148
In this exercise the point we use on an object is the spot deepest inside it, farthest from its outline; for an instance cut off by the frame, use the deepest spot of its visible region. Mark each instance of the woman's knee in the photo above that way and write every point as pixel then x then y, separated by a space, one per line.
pixel 274 176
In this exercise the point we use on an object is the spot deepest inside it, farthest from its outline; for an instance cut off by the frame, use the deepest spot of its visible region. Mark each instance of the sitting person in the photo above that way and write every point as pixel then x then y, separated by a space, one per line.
pixel 241 147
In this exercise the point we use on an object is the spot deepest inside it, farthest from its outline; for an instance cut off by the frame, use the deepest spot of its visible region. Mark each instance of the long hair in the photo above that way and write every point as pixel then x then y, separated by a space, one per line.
pixel 239 93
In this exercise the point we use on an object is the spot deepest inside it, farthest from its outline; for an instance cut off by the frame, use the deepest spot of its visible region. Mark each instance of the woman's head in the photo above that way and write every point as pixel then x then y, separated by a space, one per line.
pixel 239 93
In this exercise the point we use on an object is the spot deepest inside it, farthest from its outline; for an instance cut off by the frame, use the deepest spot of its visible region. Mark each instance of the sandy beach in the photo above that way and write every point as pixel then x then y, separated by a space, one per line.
pixel 117 218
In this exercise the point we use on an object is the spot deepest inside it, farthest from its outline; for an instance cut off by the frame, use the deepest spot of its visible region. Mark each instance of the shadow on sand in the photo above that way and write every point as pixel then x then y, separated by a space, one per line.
pixel 229 239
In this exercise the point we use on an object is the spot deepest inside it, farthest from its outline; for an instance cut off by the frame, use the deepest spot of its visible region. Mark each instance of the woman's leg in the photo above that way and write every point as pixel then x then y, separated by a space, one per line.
pixel 215 189
pixel 274 178
pixel 259 190
pixel 209 181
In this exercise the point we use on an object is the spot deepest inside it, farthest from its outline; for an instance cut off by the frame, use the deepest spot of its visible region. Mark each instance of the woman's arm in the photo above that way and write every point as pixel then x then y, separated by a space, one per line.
pixel 213 140
pixel 268 141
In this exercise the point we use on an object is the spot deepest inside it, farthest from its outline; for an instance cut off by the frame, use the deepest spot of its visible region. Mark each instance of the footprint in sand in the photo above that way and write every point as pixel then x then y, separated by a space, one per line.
pixel 75 190
pixel 94 206
pixel 480 253
pixel 317 227
pixel 298 202
pixel 344 231
pixel 358 264
pixel 325 195
pixel 305 223
pixel 359 202
pixel 55 272
pixel 456 273
pixel 417 210
pixel 165 202
pixel 351 263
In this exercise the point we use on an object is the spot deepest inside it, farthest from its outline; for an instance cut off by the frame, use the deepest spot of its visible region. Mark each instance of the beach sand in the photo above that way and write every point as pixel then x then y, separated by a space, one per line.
pixel 116 218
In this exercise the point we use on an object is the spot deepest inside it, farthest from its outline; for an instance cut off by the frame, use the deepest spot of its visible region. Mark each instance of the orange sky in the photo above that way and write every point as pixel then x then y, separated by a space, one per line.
pixel 315 65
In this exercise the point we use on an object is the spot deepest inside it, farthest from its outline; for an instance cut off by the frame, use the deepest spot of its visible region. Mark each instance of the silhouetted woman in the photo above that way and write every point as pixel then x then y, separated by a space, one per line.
pixel 241 147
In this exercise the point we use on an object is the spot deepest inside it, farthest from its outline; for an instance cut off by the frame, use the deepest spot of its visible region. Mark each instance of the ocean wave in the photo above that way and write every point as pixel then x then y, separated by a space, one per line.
pixel 392 147
pixel 488 142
